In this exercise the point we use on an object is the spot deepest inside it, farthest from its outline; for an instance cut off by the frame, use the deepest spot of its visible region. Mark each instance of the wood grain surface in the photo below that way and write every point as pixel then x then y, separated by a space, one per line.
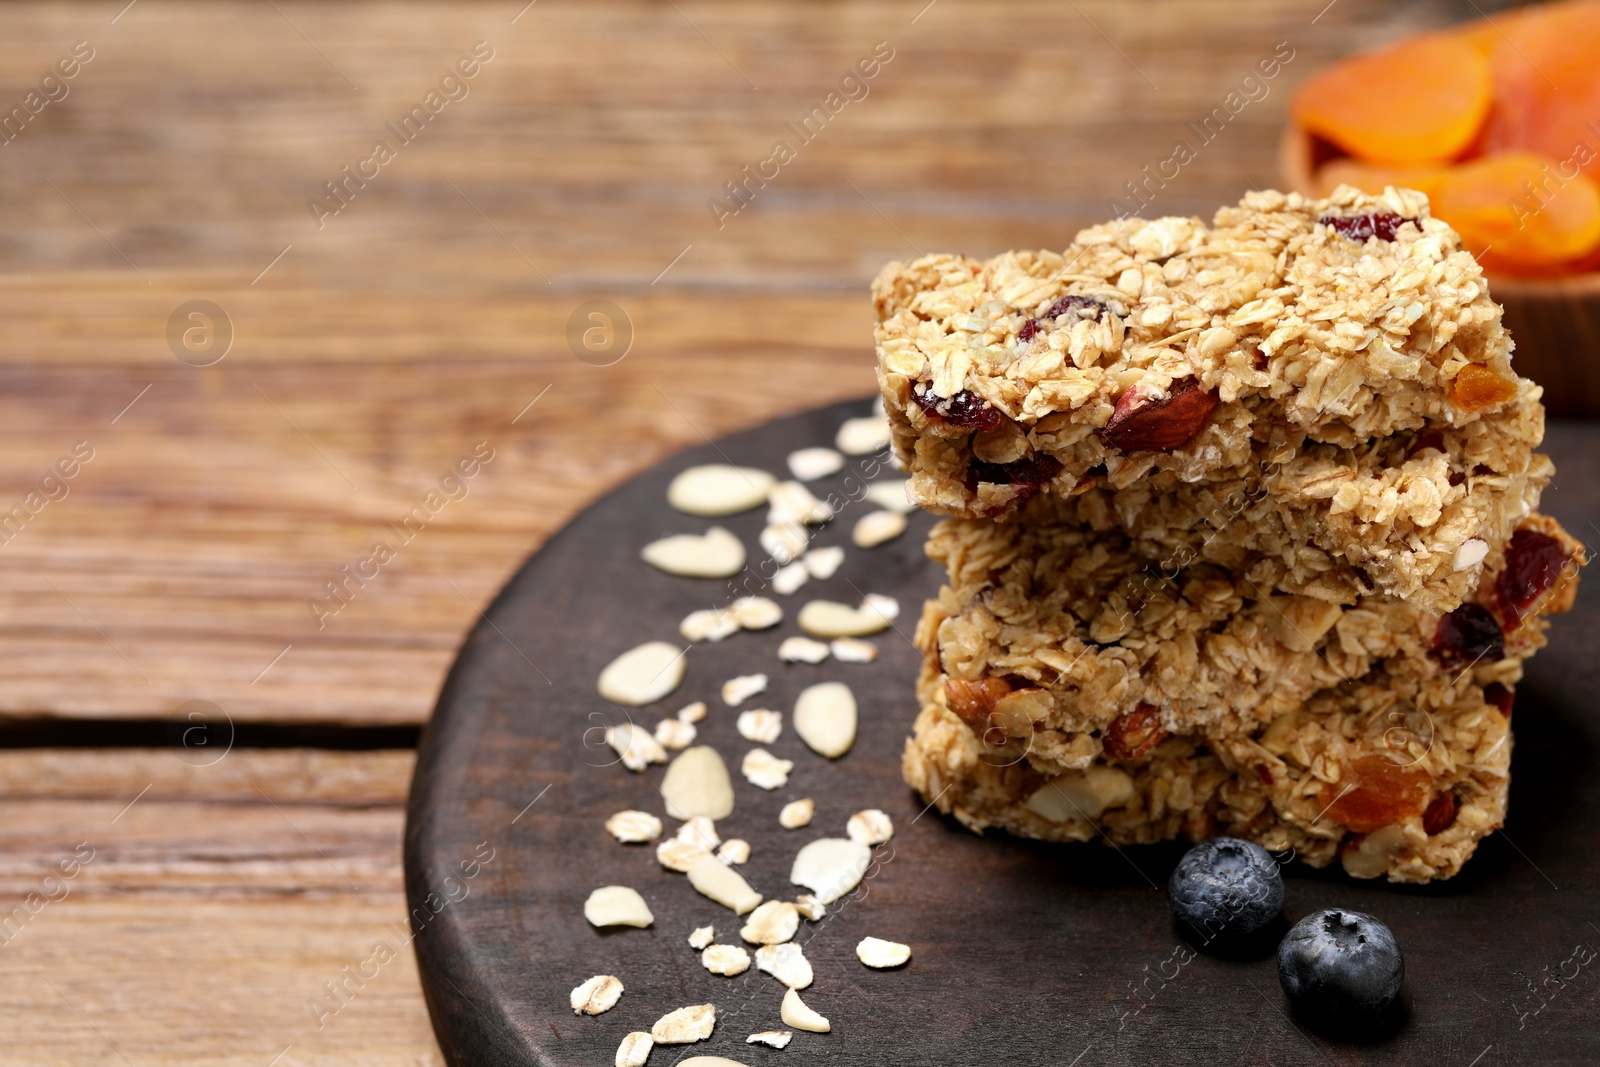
pixel 372 354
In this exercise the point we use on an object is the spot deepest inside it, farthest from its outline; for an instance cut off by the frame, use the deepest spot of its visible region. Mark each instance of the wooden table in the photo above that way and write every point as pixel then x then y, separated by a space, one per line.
pixel 190 558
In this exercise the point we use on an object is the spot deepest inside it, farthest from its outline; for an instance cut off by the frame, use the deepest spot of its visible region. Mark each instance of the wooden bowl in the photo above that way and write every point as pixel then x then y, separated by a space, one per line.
pixel 1554 321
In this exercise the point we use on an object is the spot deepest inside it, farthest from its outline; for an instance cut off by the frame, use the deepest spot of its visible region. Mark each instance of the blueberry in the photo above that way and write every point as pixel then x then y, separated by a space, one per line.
pixel 1225 888
pixel 1341 966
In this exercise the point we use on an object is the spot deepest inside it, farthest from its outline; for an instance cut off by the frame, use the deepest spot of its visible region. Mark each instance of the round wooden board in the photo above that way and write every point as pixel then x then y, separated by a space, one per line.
pixel 1022 953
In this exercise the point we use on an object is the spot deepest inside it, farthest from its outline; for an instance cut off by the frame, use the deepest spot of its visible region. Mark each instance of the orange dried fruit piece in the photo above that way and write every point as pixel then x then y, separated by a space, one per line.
pixel 1375 792
pixel 1421 101
pixel 1545 69
pixel 1517 211
pixel 1478 388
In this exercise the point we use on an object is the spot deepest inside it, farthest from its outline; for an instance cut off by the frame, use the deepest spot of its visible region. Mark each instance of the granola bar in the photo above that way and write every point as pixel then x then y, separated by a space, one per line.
pixel 1074 645
pixel 1393 777
pixel 1342 357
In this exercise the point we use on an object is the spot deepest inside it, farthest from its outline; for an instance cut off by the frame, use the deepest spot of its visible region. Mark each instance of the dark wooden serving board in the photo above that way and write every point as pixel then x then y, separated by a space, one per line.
pixel 1023 953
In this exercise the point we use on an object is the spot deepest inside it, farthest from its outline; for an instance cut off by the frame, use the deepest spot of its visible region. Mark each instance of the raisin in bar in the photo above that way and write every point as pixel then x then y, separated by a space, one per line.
pixel 1393 777
pixel 1344 355
pixel 1070 644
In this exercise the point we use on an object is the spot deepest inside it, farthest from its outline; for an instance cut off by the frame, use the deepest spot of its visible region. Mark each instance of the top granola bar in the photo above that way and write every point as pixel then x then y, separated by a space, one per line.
pixel 1168 349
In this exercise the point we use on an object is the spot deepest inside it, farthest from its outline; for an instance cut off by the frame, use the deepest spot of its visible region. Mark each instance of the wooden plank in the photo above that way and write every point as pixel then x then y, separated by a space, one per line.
pixel 202 922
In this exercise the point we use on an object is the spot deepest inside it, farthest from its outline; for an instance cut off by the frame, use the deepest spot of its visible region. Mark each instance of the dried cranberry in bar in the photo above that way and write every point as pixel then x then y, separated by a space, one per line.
pixel 965 409
pixel 1380 224
pixel 1071 303
pixel 1501 696
pixel 1534 562
pixel 1032 470
pixel 1470 634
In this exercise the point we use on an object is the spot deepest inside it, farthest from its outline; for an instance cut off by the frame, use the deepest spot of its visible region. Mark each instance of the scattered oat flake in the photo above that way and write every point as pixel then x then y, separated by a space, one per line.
pixel 718 489
pixel 717 553
pixel 643 675
pixel 797 813
pixel 831 867
pixel 809 464
pixel 701 831
pixel 825 718
pixel 675 854
pixel 736 691
pixel 635 1049
pixel 802 650
pixel 675 734
pixel 810 907
pixel 876 528
pixel 786 963
pixel 756 612
pixel 637 746
pixel 692 713
pixel 764 770
pixel 876 952
pixel 735 851
pixel 786 581
pixel 708 624
pixel 853 650
pixel 598 994
pixel 685 1026
pixel 892 495
pixel 775 1038
pixel 715 879
pixel 829 618
pixel 773 923
pixel 697 783
pixel 796 1014
pixel 727 960
pixel 702 937
pixel 870 827
pixel 633 827
pixel 761 725
pixel 617 905
pixel 824 563
pixel 863 436
pixel 784 542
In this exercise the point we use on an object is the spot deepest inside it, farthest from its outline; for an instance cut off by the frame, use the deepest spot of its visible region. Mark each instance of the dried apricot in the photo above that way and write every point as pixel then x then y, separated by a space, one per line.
pixel 1421 101
pixel 1376 791
pixel 1547 84
pixel 1478 388
pixel 1516 213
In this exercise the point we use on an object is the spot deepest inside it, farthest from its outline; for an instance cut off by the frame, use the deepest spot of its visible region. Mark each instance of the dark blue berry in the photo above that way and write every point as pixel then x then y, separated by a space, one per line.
pixel 1340 966
pixel 1225 889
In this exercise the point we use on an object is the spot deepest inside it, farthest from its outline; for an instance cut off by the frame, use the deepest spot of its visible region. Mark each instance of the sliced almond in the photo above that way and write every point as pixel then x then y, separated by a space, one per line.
pixel 825 718
pixel 853 650
pixel 718 489
pixel 787 580
pixel 761 725
pixel 756 612
pixel 697 783
pixel 773 923
pixel 692 713
pixel 1471 553
pixel 727 960
pixel 831 867
pixel 635 1049
pixel 643 675
pixel 875 528
pixel 785 542
pixel 636 745
pixel 700 831
pixel 870 827
pixel 686 1025
pixel 775 1038
pixel 708 624
pixel 709 1061
pixel 797 813
pixel 824 563
pixel 676 854
pixel 829 618
pixel 786 963
pixel 713 554
pixel 892 495
pixel 702 937
pixel 617 905
pixel 764 770
pixel 633 827
pixel 736 691
pixel 863 436
pixel 809 464
pixel 599 994
pixel 723 884
pixel 878 953
pixel 802 650
pixel 795 1013
pixel 1082 795
pixel 674 734
pixel 877 603
pixel 1299 622
pixel 791 502
pixel 735 850
pixel 810 907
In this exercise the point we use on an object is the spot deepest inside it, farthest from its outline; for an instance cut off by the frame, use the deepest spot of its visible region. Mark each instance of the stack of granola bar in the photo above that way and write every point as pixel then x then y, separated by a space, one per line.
pixel 1245 534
